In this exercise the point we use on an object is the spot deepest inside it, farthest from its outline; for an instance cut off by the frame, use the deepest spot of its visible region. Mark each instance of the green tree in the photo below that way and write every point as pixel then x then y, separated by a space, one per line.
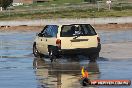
pixel 5 3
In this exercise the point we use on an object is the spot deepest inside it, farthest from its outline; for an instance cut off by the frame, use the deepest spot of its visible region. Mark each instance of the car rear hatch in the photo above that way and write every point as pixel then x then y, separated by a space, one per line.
pixel 78 36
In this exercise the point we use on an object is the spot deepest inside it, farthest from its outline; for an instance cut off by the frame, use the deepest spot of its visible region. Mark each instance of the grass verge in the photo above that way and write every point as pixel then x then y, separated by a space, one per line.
pixel 65 14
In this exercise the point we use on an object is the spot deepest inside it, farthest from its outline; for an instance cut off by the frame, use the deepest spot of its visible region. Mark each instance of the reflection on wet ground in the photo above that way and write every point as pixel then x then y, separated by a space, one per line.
pixel 63 75
pixel 19 68
pixel 115 36
pixel 16 60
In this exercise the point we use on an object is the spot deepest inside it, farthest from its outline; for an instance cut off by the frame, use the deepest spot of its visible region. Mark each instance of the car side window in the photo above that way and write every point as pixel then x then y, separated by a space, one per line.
pixel 51 31
pixel 54 29
pixel 88 30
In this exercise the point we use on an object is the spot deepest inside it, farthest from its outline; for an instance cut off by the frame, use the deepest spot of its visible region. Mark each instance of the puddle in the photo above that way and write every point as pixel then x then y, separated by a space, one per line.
pixel 19 69
pixel 115 36
pixel 62 75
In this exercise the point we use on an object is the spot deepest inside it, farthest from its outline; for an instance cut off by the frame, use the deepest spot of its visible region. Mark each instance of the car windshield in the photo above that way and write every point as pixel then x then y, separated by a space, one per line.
pixel 77 30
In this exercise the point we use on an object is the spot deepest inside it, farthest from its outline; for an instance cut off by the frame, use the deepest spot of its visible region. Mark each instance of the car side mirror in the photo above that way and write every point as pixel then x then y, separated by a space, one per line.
pixel 40 34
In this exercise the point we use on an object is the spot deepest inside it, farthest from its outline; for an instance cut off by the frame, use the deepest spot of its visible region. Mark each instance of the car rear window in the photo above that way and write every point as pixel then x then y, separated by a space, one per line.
pixel 80 30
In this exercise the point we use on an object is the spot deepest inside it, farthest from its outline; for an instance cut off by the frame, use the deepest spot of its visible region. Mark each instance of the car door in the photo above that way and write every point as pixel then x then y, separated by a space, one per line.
pixel 49 38
pixel 43 44
pixel 40 43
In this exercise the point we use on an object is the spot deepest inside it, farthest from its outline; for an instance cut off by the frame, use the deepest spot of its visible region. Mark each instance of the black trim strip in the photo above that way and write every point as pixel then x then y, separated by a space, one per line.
pixel 78 40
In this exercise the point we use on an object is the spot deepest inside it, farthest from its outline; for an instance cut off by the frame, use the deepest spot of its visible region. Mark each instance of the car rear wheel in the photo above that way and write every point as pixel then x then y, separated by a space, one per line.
pixel 35 51
pixel 52 54
pixel 93 57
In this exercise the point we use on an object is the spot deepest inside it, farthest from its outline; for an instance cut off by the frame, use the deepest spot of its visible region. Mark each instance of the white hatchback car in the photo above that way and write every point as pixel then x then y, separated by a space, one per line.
pixel 73 39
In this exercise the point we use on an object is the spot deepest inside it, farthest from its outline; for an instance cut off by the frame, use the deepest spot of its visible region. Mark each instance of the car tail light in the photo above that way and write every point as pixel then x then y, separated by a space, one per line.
pixel 98 39
pixel 58 43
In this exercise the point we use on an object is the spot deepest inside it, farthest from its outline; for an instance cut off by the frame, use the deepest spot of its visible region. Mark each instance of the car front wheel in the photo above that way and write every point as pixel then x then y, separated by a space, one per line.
pixel 35 51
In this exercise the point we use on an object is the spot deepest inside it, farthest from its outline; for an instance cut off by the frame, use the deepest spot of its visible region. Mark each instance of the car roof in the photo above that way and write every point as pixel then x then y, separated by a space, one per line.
pixel 68 24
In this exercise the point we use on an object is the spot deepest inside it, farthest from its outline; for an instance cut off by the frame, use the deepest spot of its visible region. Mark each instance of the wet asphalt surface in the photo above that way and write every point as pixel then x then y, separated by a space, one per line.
pixel 20 69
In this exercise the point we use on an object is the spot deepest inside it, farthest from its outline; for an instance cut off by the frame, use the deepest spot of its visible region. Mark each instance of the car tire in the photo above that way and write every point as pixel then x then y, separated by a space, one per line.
pixel 52 54
pixel 35 51
pixel 93 57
